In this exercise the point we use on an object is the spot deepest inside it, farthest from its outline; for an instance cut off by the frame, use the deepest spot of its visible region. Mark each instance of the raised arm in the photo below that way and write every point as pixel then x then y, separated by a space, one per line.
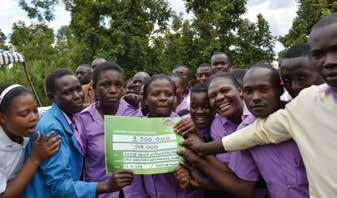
pixel 42 150
pixel 274 129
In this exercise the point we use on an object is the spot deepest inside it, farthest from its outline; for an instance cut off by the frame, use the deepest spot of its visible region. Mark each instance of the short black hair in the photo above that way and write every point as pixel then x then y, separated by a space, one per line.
pixel 99 69
pixel 52 77
pixel 224 75
pixel 275 75
pixel 181 65
pixel 219 53
pixel 84 65
pixel 199 88
pixel 179 78
pixel 238 74
pixel 8 98
pixel 203 65
pixel 300 50
pixel 156 77
pixel 326 21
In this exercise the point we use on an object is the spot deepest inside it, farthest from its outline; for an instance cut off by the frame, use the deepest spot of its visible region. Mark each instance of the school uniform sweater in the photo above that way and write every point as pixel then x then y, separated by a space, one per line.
pixel 310 119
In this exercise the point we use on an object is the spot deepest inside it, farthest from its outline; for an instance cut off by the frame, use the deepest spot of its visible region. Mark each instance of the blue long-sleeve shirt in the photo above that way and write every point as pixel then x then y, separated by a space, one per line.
pixel 59 176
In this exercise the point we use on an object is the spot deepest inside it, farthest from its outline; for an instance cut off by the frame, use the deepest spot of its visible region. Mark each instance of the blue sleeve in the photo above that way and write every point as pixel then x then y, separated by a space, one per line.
pixel 61 179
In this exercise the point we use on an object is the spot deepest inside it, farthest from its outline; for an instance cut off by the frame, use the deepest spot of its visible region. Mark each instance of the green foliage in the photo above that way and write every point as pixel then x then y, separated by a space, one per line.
pixel 138 35
pixel 309 12
pixel 3 39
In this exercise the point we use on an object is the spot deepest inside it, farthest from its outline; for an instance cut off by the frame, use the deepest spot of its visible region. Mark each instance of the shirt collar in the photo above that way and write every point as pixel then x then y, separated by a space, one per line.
pixel 6 142
pixel 70 122
pixel 331 90
pixel 245 113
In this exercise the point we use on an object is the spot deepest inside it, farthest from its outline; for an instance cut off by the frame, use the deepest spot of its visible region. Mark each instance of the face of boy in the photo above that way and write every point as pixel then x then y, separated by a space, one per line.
pixel 138 81
pixel 22 116
pixel 83 74
pixel 68 95
pixel 200 110
pixel 261 96
pixel 225 98
pixel 109 88
pixel 220 63
pixel 160 98
pixel 183 72
pixel 203 74
pixel 297 74
pixel 323 42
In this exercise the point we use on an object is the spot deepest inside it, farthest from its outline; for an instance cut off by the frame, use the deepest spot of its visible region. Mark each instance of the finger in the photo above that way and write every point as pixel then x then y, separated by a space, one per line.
pixel 54 145
pixel 180 171
pixel 180 125
pixel 54 151
pixel 122 185
pixel 53 140
pixel 187 131
pixel 37 137
pixel 49 134
pixel 124 180
pixel 187 166
pixel 194 183
pixel 124 175
pixel 124 171
pixel 187 143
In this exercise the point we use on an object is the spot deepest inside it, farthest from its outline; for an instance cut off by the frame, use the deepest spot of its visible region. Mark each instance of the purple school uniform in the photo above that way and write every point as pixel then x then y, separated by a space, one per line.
pixel 245 168
pixel 185 104
pixel 90 124
pixel 205 134
pixel 332 91
pixel 165 186
pixel 280 165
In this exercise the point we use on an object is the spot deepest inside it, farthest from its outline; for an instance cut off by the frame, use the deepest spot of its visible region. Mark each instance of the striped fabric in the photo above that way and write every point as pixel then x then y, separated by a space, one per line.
pixel 8 57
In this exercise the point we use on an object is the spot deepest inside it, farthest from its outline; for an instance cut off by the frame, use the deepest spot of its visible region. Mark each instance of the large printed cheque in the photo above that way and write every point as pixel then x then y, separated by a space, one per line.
pixel 144 145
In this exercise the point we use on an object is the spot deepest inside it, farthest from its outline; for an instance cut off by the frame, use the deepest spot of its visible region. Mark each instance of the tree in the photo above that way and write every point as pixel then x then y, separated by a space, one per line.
pixel 3 39
pixel 35 42
pixel 219 26
pixel 254 42
pixel 116 30
pixel 309 12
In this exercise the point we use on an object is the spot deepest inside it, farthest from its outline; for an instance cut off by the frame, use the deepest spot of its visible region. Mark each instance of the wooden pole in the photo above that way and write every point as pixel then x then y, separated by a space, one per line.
pixel 31 83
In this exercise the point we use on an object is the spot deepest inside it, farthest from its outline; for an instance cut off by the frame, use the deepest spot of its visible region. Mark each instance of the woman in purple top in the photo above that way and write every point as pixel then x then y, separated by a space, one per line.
pixel 159 96
pixel 201 112
pixel 108 85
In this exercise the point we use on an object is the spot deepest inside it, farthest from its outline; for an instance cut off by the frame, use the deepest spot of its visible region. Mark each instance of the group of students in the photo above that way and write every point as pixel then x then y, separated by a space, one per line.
pixel 244 136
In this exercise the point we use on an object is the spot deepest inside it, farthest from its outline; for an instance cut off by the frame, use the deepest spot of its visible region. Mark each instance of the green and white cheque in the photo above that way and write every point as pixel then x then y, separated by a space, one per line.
pixel 144 145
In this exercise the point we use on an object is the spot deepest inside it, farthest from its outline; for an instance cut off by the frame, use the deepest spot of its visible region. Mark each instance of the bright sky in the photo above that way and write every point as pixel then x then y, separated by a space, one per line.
pixel 279 13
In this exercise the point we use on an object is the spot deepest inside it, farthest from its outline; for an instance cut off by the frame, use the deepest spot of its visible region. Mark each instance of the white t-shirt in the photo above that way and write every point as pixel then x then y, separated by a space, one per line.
pixel 286 97
pixel 12 157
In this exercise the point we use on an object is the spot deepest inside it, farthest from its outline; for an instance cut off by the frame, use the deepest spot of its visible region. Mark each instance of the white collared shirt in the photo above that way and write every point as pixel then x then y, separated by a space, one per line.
pixel 12 157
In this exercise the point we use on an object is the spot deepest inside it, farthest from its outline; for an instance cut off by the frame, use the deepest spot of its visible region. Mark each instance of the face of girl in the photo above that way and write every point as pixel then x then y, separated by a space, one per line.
pixel 201 113
pixel 22 116
pixel 160 98
pixel 225 98
pixel 109 88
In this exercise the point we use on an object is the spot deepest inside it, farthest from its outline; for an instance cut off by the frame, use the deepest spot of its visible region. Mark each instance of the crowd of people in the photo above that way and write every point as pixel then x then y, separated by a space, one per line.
pixel 257 132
